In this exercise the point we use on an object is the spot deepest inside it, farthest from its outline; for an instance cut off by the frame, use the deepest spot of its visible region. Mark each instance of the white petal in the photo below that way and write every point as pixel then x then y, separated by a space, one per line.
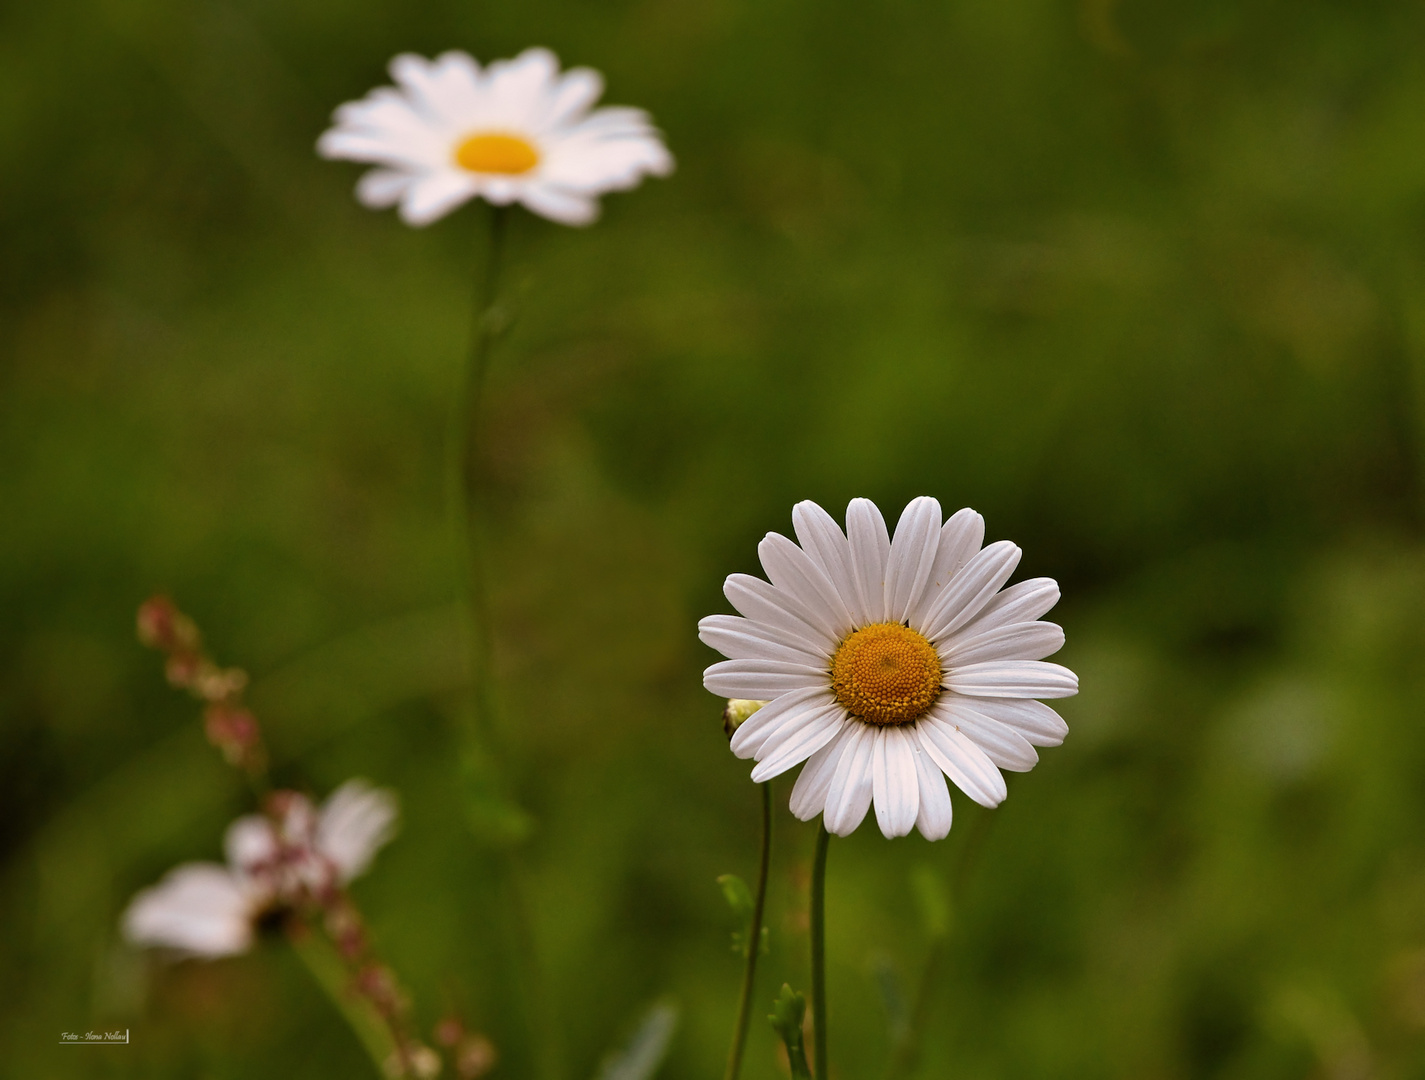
pixel 384 127
pixel 612 150
pixel 200 909
pixel 577 91
pixel 1017 641
pixel 742 639
pixel 356 821
pixel 966 764
pixel 912 556
pixel 435 195
pixel 795 741
pixel 250 841
pixel 935 814
pixel 960 537
pixel 760 680
pixel 1023 602
pixel 794 573
pixel 414 151
pixel 380 188
pixel 518 90
pixel 822 539
pixel 752 734
pixel 894 781
pixel 849 796
pixel 763 603
pixel 809 792
pixel 1007 748
pixel 1039 724
pixel 970 590
pixel 870 547
pixel 501 190
pixel 564 207
pixel 1009 678
pixel 444 90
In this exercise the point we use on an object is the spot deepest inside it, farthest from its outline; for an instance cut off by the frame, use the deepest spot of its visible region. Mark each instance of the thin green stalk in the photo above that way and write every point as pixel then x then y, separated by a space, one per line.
pixel 818 954
pixel 492 812
pixel 489 322
pixel 753 944
pixel 326 967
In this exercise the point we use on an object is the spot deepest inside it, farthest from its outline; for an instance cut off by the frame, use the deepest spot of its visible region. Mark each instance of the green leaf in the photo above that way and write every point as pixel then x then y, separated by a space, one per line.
pixel 788 1012
pixel 739 898
pixel 645 1050
pixel 737 895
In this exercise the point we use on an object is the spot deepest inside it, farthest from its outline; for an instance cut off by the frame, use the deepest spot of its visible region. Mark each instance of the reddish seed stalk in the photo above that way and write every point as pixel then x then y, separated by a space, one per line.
pixel 233 729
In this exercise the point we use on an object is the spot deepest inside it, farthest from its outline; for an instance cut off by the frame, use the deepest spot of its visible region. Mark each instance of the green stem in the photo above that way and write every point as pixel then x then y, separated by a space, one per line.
pixel 754 941
pixel 492 812
pixel 325 965
pixel 489 319
pixel 818 953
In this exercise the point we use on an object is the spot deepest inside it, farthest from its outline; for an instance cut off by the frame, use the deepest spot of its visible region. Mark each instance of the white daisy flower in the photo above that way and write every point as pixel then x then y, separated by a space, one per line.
pixel 517 131
pixel 210 910
pixel 889 662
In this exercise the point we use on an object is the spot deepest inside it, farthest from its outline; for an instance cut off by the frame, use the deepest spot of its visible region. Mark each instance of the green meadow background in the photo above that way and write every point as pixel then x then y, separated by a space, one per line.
pixel 1144 284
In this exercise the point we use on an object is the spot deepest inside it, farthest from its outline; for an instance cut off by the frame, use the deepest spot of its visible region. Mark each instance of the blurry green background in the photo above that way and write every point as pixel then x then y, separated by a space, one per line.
pixel 1142 283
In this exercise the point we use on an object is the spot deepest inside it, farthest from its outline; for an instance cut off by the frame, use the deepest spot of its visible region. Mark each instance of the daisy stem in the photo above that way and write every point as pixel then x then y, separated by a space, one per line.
pixel 818 953
pixel 488 320
pixel 753 943
pixel 491 809
pixel 326 967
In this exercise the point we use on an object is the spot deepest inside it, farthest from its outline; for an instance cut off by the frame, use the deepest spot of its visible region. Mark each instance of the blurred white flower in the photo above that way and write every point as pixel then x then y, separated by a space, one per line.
pixel 356 821
pixel 297 856
pixel 886 663
pixel 198 909
pixel 516 131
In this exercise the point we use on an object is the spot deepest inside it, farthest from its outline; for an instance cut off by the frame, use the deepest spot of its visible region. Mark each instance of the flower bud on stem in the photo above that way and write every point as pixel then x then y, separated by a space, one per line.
pixel 229 725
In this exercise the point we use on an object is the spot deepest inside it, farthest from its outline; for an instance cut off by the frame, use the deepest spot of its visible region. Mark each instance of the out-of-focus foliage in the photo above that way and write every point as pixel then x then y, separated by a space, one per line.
pixel 1143 283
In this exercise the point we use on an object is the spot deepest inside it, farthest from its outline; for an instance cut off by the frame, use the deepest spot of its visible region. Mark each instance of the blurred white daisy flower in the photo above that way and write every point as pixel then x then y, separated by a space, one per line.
pixel 299 855
pixel 886 663
pixel 516 131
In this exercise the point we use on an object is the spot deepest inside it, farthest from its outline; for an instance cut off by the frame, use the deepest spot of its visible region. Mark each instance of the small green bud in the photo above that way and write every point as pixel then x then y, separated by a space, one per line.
pixel 788 1012
pixel 737 711
pixel 737 895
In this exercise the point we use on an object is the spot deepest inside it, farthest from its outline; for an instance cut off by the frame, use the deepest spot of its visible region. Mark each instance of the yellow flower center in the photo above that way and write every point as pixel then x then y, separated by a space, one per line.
pixel 886 673
pixel 492 152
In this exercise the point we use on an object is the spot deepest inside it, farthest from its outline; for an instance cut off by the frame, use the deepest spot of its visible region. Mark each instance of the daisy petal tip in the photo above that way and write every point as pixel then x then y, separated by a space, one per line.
pixel 454 56
pixel 889 828
pixel 403 65
pixel 743 750
pixel 538 54
pixel 416 220
pixel 846 826
pixel 761 774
